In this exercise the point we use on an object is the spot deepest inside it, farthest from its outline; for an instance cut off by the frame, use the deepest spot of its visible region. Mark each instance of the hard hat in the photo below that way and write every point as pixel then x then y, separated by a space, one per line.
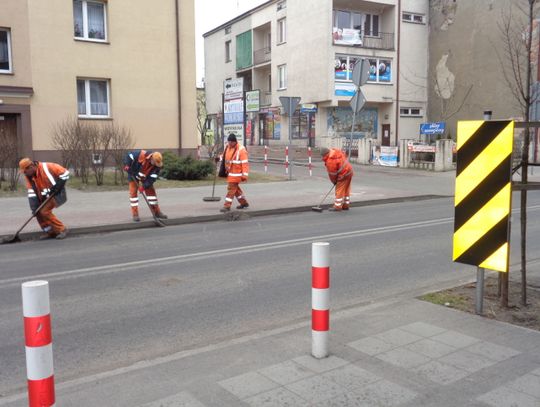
pixel 25 163
pixel 158 159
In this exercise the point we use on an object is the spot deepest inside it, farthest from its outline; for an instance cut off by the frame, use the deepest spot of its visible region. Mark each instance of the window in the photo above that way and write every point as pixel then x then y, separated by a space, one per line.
pixel 282 31
pixel 228 51
pixel 380 70
pixel 282 77
pixel 413 18
pixel 371 25
pixel 5 51
pixel 281 5
pixel 228 29
pixel 348 19
pixel 410 112
pixel 90 20
pixel 93 98
pixel 343 67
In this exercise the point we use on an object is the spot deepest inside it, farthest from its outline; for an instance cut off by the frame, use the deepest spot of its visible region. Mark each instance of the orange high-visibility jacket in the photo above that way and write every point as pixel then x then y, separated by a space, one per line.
pixel 236 163
pixel 39 186
pixel 337 165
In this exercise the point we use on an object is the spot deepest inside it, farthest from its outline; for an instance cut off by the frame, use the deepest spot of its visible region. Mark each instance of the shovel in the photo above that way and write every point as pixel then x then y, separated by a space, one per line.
pixel 157 221
pixel 15 238
pixel 318 207
pixel 212 198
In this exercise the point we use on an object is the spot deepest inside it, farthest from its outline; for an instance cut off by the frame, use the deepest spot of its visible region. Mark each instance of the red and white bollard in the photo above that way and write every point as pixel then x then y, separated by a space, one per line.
pixel 287 160
pixel 38 339
pixel 265 160
pixel 309 162
pixel 320 298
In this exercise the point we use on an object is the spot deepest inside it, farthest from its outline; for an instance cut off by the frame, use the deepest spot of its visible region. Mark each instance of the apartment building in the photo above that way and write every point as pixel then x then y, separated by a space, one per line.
pixel 308 50
pixel 128 62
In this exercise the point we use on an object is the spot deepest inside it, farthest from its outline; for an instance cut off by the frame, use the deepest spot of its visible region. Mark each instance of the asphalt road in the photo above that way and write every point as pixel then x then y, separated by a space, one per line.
pixel 128 296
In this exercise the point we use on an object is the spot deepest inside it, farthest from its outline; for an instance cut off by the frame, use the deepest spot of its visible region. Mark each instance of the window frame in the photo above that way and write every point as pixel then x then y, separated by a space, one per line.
pixel 228 51
pixel 370 32
pixel 281 5
pixel 282 31
pixel 10 56
pixel 88 101
pixel 408 112
pixel 85 36
pixel 282 79
pixel 413 17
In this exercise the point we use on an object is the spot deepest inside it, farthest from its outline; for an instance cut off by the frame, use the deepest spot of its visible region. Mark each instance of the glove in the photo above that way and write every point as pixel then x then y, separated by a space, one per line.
pixel 243 179
pixel 141 189
pixel 57 187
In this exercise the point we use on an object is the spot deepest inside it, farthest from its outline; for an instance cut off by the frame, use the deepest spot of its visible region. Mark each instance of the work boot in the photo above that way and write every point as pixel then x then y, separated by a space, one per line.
pixel 136 218
pixel 62 234
pixel 225 209
pixel 243 206
pixel 161 215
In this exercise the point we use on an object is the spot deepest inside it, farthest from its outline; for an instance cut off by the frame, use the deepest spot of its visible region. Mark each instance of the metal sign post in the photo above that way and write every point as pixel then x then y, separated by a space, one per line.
pixel 289 104
pixel 360 76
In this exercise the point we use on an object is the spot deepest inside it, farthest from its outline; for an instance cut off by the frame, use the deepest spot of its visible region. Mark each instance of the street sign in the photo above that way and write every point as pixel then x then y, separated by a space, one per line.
pixel 360 73
pixel 358 101
pixel 432 128
pixel 289 104
pixel 308 108
pixel 483 193
pixel 233 88
pixel 252 101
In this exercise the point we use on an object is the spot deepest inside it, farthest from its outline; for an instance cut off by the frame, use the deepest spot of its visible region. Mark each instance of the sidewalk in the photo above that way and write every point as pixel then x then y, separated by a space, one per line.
pixel 402 352
pixel 108 211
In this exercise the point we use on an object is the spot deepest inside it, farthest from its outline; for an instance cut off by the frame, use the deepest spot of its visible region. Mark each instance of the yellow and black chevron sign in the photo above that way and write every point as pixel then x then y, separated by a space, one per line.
pixel 483 193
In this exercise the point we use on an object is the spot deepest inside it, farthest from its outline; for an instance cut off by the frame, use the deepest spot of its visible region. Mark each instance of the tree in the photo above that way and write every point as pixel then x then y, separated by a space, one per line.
pixel 201 115
pixel 516 30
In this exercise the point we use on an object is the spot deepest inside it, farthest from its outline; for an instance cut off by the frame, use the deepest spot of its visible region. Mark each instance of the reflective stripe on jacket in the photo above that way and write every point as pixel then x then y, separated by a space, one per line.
pixel 39 186
pixel 337 165
pixel 236 163
pixel 140 167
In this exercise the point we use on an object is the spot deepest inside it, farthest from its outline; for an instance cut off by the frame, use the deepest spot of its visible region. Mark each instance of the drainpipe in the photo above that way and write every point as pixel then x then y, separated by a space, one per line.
pixel 179 89
pixel 397 68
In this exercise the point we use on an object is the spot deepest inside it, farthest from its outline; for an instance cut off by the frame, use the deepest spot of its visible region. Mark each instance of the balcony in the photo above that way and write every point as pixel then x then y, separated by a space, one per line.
pixel 262 56
pixel 355 38
pixel 266 98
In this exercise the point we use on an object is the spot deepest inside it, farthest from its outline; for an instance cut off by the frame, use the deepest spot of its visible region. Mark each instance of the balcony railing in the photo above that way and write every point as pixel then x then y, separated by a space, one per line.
pixel 261 56
pixel 355 38
pixel 266 98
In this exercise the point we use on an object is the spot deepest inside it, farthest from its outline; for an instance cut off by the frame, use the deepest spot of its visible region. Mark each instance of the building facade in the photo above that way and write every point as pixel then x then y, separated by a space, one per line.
pixel 132 63
pixel 287 48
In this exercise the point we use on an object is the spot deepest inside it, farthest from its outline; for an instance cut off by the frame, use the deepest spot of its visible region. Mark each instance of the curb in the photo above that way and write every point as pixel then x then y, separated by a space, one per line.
pixel 231 216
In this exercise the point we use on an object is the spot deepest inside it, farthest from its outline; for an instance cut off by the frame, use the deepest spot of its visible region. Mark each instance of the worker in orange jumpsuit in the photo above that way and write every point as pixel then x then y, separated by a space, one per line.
pixel 340 172
pixel 143 169
pixel 237 167
pixel 44 180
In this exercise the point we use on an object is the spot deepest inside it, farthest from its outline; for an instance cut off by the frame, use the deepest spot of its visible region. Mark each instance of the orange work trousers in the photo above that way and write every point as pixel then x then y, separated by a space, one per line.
pixel 234 190
pixel 343 193
pixel 48 221
pixel 134 198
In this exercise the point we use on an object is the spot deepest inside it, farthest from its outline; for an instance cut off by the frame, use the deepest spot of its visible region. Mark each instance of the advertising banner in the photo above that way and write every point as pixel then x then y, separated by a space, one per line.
pixel 346 36
pixel 385 156
pixel 252 101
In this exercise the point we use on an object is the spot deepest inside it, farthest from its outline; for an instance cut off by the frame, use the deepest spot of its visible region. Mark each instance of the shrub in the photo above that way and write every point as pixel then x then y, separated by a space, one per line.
pixel 185 168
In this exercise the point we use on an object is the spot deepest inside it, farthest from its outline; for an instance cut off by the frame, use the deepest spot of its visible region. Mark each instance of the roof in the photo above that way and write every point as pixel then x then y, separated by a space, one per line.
pixel 239 18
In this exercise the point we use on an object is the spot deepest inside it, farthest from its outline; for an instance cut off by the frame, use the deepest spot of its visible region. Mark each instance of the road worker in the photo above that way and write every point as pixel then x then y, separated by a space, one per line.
pixel 237 167
pixel 44 180
pixel 143 168
pixel 340 172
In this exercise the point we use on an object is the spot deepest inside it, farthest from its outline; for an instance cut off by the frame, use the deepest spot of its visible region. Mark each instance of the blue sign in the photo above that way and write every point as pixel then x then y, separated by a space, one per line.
pixel 432 128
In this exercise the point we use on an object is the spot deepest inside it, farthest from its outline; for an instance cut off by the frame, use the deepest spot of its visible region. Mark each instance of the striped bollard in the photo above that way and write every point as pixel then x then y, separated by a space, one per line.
pixel 287 160
pixel 38 340
pixel 309 162
pixel 320 298
pixel 265 160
